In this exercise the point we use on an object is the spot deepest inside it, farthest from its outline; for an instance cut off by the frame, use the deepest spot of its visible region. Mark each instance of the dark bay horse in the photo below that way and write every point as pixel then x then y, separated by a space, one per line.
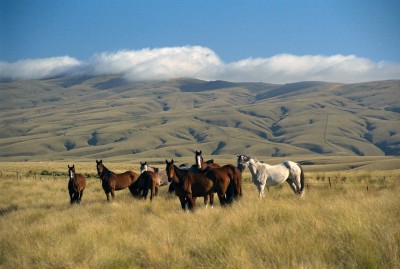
pixel 227 182
pixel 112 182
pixel 146 181
pixel 76 185
pixel 227 179
pixel 189 185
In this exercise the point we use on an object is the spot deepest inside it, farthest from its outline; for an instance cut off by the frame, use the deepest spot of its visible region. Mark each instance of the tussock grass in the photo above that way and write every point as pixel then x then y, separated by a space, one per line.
pixel 338 227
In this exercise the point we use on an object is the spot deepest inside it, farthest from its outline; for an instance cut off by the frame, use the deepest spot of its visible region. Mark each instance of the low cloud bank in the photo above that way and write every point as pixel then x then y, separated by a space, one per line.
pixel 38 68
pixel 203 63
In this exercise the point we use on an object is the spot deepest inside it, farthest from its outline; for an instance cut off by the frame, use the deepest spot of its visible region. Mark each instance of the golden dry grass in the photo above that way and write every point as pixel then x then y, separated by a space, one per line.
pixel 346 226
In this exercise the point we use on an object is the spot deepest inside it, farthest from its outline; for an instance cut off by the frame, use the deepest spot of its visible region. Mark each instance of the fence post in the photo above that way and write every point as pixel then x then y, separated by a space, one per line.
pixel 330 184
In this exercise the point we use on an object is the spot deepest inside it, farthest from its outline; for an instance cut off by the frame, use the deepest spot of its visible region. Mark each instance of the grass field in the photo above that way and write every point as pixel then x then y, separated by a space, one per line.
pixel 346 219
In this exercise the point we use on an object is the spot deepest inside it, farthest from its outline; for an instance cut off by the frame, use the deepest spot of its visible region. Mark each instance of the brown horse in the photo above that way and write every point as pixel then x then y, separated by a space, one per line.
pixel 201 164
pixel 146 181
pixel 76 185
pixel 189 185
pixel 227 182
pixel 112 182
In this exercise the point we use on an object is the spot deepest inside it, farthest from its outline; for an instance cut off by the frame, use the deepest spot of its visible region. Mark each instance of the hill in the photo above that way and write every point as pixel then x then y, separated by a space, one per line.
pixel 107 117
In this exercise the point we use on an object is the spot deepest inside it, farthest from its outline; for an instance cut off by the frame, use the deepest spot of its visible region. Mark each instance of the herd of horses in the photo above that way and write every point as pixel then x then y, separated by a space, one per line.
pixel 202 179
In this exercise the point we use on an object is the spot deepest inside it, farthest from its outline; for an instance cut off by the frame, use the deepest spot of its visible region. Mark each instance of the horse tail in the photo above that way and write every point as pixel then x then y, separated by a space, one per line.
pixel 231 191
pixel 238 182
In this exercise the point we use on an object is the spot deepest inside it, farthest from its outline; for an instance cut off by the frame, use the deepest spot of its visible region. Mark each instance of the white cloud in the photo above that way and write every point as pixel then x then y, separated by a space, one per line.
pixel 37 68
pixel 163 63
pixel 286 68
pixel 203 63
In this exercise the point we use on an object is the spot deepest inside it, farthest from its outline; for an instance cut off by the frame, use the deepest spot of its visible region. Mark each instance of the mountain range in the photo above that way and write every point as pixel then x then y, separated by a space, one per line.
pixel 88 118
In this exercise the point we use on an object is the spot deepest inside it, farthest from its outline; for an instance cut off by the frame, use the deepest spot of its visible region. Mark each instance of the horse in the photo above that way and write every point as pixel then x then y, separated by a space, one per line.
pixel 227 179
pixel 76 185
pixel 227 182
pixel 189 185
pixel 145 182
pixel 162 178
pixel 271 175
pixel 201 164
pixel 112 182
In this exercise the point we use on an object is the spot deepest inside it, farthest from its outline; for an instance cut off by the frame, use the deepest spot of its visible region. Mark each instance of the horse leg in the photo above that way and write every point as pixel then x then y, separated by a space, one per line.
pixel 113 194
pixel 71 198
pixel 145 192
pixel 292 185
pixel 190 204
pixel 183 202
pixel 260 188
pixel 299 184
pixel 212 199
pixel 80 196
pixel 189 199
pixel 206 201
pixel 76 197
pixel 153 192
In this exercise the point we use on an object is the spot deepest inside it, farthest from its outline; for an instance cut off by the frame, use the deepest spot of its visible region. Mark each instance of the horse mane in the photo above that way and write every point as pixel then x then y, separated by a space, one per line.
pixel 209 161
pixel 156 169
pixel 181 172
pixel 106 173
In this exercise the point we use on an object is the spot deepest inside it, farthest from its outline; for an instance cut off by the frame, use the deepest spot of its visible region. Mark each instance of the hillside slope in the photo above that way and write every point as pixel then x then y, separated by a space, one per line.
pixel 107 117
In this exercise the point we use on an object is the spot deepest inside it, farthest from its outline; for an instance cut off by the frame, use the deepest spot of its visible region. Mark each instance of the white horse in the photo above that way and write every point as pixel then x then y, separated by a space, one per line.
pixel 271 175
pixel 162 178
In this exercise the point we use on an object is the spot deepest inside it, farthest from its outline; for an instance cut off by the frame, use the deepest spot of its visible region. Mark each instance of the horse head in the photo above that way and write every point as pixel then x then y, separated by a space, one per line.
pixel 100 167
pixel 170 169
pixel 71 171
pixel 143 167
pixel 199 159
pixel 242 161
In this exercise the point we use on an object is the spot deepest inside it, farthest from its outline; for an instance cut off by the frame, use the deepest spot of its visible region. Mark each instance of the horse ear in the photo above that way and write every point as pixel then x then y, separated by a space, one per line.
pixel 172 161
pixel 200 152
pixel 69 167
pixel 166 161
pixel 73 166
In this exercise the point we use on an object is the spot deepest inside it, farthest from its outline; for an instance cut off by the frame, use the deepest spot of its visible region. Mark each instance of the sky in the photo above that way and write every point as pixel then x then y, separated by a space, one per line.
pixel 263 41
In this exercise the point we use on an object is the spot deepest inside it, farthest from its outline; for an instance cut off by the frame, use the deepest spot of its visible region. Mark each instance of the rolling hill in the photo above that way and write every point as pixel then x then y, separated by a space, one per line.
pixel 90 118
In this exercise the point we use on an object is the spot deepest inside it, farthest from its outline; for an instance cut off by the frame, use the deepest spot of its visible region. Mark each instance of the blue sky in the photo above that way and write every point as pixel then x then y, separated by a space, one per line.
pixel 238 38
